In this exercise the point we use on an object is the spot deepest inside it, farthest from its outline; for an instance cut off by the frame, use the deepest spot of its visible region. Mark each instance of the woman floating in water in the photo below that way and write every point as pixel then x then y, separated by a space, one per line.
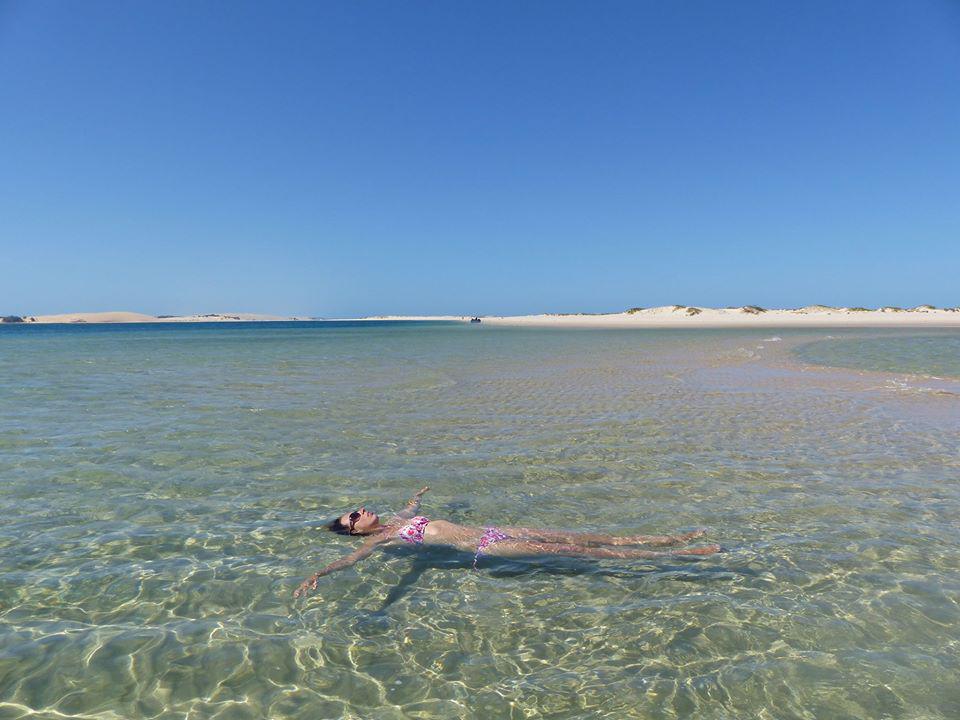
pixel 408 527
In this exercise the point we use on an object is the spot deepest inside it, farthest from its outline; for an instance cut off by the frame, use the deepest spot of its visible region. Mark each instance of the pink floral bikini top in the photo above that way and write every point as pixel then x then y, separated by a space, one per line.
pixel 412 532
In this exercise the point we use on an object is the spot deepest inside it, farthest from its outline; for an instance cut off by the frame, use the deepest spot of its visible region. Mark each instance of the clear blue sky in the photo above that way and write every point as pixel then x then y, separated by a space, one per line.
pixel 359 157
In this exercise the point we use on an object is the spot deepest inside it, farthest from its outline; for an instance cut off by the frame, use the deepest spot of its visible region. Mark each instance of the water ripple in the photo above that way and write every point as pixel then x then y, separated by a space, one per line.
pixel 166 490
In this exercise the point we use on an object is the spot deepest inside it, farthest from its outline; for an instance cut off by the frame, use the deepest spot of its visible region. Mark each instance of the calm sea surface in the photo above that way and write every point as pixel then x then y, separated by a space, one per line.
pixel 933 355
pixel 163 489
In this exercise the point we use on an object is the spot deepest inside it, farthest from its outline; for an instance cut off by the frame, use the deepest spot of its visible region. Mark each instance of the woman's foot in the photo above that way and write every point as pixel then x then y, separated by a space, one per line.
pixel 705 550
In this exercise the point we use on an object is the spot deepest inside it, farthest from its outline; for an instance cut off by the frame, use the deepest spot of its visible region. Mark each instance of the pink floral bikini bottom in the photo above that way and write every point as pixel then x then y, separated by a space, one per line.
pixel 490 536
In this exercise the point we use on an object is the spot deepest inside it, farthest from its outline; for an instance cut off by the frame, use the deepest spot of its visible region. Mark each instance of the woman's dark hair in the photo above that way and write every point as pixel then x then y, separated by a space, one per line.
pixel 338 527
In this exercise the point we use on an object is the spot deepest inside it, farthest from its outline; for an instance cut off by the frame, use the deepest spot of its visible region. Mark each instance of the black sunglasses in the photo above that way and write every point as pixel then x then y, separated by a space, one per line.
pixel 354 516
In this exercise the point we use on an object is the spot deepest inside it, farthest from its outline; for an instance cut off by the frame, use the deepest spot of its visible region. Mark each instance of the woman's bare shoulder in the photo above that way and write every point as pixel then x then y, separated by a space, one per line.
pixel 386 534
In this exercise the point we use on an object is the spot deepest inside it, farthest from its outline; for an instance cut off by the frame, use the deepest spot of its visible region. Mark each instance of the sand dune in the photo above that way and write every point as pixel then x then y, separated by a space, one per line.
pixel 680 316
pixel 94 317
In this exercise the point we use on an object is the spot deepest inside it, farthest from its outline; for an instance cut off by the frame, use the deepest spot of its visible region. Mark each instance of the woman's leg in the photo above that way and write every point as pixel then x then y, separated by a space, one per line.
pixel 587 539
pixel 517 548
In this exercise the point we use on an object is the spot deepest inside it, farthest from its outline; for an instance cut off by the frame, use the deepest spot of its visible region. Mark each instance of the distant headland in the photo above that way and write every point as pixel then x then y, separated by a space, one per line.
pixel 134 317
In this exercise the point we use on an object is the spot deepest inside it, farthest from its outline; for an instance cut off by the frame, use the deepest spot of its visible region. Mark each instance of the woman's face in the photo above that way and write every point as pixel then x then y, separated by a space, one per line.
pixel 360 521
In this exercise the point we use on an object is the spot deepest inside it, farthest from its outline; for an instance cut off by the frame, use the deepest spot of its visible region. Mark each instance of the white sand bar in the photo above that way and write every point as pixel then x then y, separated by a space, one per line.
pixel 133 317
pixel 678 316
pixel 669 316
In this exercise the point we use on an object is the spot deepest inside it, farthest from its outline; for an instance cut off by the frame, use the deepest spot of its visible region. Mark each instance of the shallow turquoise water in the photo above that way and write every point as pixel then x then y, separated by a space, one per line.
pixel 164 489
pixel 937 355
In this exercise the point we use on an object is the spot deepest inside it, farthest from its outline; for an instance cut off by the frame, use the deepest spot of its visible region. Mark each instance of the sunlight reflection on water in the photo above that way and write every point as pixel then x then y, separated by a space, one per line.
pixel 165 492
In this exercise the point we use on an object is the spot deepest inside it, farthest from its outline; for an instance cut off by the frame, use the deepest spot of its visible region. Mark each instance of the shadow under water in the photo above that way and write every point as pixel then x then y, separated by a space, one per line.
pixel 423 559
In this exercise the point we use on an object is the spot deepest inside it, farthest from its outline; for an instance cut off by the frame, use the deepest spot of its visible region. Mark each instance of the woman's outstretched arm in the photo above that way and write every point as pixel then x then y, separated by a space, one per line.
pixel 346 561
pixel 413 507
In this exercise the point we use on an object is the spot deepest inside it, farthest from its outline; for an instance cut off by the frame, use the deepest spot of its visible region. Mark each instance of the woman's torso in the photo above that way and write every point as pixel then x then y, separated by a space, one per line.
pixel 439 532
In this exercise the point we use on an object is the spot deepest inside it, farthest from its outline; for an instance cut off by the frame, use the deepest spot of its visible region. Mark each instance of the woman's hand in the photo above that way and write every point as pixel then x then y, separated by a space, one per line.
pixel 346 561
pixel 309 584
pixel 413 505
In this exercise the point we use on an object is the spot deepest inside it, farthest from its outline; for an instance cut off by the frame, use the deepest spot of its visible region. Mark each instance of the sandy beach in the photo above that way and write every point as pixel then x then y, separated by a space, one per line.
pixel 680 316
pixel 669 316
